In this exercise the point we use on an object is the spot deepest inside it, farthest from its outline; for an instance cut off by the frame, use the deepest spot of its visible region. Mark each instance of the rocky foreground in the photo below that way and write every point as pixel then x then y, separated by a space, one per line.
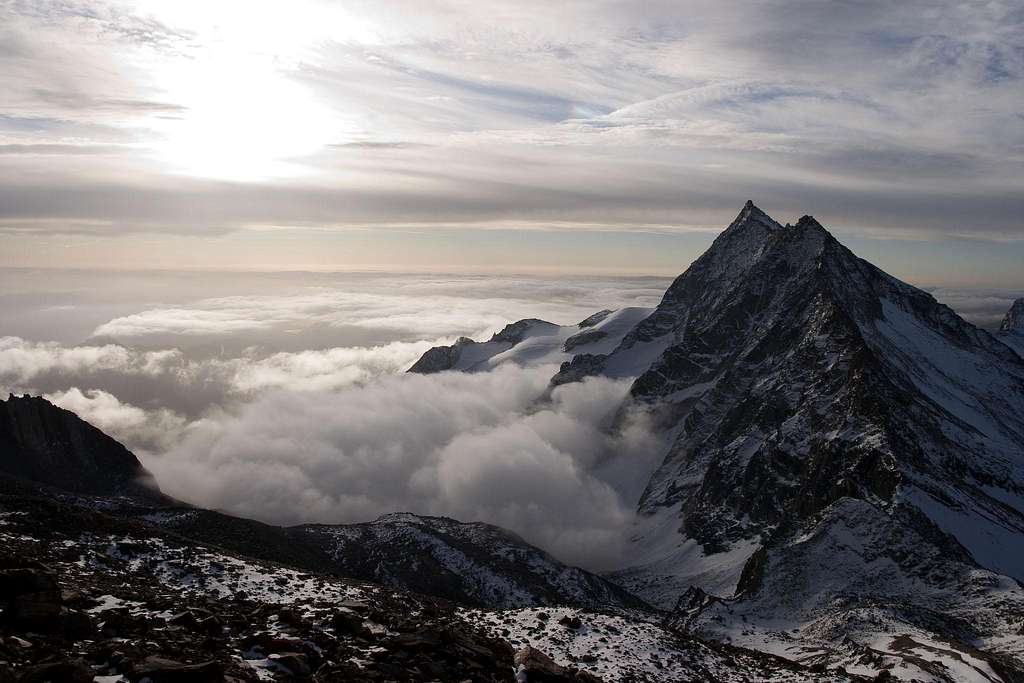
pixel 91 596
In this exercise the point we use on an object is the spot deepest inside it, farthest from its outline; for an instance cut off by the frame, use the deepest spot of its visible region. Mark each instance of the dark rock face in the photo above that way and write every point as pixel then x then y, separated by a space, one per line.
pixel 30 596
pixel 594 319
pixel 49 445
pixel 514 333
pixel 534 665
pixel 582 365
pixel 582 338
pixel 1011 331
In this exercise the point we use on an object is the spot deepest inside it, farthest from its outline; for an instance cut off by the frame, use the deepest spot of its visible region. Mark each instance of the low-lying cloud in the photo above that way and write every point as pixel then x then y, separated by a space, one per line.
pixel 232 404
pixel 170 379
pixel 152 430
pixel 481 446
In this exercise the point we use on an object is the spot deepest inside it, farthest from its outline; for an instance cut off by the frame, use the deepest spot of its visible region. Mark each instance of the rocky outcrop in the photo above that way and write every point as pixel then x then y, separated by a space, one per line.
pixel 594 319
pixel 42 443
pixel 163 608
pixel 583 338
pixel 533 665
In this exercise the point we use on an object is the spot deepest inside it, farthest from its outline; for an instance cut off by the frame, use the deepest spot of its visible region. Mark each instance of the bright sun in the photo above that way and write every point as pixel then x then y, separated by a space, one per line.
pixel 244 116
pixel 242 121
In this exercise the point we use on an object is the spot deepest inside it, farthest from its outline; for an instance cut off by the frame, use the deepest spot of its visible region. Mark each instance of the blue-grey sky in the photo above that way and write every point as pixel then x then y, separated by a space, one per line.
pixel 608 137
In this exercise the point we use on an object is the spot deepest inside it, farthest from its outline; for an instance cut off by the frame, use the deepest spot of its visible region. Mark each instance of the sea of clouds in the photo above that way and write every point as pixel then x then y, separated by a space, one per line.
pixel 285 398
pixel 291 403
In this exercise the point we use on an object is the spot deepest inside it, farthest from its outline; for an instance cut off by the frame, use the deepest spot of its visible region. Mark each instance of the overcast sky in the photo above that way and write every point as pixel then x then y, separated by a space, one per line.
pixel 597 136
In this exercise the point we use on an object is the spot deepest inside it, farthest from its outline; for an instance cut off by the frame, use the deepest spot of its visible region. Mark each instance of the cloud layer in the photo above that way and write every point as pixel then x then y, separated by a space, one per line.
pixel 474 447
pixel 391 118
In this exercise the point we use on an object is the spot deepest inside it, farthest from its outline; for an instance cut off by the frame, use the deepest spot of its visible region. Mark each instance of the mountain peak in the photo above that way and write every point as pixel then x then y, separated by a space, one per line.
pixel 750 215
pixel 1014 320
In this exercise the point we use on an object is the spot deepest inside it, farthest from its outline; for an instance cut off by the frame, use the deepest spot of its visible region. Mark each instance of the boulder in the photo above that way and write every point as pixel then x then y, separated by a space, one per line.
pixel 533 666
pixel 572 622
pixel 30 596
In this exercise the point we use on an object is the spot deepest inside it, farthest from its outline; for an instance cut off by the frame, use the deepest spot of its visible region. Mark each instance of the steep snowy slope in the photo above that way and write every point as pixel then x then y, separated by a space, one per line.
pixel 470 562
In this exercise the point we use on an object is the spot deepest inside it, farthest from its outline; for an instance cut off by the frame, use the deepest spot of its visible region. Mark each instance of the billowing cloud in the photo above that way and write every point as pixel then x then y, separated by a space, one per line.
pixel 476 447
pixel 152 430
pixel 21 361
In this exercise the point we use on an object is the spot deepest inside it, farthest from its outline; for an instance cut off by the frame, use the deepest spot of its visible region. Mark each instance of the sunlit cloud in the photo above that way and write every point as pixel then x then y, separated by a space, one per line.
pixel 216 118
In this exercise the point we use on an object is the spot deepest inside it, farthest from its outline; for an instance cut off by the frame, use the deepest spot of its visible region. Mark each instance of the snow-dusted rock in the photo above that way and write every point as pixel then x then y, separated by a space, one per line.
pixel 473 563
pixel 534 342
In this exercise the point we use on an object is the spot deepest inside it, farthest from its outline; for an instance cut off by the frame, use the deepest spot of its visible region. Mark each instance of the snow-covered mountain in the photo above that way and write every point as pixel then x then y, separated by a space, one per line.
pixel 798 374
pixel 845 481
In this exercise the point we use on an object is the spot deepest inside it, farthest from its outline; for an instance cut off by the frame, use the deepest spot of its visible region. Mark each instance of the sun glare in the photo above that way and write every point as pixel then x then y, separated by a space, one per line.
pixel 243 121
pixel 244 115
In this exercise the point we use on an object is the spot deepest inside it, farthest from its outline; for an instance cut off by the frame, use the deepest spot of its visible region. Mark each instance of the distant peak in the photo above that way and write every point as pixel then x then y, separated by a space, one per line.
pixel 1014 320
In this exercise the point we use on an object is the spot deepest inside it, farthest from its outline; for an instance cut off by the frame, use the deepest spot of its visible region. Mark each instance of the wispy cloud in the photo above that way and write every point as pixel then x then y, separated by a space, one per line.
pixel 881 119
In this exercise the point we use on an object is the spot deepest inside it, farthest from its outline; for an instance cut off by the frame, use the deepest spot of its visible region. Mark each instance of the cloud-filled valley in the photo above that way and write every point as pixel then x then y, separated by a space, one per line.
pixel 243 403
